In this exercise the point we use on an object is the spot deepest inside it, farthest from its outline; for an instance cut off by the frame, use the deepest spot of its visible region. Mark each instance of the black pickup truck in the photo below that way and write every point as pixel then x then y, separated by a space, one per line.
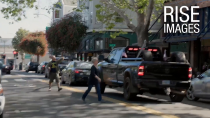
pixel 147 73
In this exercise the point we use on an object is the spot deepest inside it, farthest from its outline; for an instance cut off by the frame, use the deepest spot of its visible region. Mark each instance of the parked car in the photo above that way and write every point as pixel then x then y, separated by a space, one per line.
pixel 199 87
pixel 31 66
pixel 2 100
pixel 146 73
pixel 6 69
pixel 76 72
pixel 2 97
pixel 62 65
pixel 41 67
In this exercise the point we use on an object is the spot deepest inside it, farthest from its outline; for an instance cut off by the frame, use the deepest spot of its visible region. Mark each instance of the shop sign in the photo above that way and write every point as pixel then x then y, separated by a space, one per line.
pixel 90 54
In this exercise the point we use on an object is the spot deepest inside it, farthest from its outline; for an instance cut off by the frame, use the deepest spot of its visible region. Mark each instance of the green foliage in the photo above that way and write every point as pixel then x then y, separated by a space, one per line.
pixel 109 12
pixel 20 34
pixel 16 8
pixel 67 33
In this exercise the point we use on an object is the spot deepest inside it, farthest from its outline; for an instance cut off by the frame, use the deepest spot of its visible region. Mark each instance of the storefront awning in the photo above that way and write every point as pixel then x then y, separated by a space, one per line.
pixel 182 39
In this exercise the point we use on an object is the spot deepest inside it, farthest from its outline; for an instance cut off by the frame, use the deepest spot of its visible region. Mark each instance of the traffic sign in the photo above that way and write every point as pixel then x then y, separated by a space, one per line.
pixel 47 28
pixel 27 56
pixel 112 45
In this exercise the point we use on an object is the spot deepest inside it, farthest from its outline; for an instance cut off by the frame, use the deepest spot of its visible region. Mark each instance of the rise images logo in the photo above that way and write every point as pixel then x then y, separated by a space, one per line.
pixel 178 21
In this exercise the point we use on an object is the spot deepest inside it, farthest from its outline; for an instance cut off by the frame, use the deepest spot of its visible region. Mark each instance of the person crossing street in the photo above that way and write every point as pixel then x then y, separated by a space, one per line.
pixel 54 70
pixel 93 80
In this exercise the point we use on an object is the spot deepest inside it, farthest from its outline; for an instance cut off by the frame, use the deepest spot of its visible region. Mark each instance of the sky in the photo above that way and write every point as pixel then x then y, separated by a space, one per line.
pixel 31 23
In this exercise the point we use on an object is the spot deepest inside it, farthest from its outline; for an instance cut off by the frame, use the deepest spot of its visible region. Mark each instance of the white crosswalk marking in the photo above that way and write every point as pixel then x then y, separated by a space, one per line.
pixel 4 81
pixel 20 80
pixel 36 79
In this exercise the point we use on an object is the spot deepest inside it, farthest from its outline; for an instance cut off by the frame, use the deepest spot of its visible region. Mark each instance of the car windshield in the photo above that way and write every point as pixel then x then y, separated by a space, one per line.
pixel 65 62
pixel 33 63
pixel 83 64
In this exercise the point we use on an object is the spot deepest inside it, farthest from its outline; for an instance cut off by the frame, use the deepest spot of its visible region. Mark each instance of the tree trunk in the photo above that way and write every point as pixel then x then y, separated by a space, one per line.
pixel 37 58
pixel 142 35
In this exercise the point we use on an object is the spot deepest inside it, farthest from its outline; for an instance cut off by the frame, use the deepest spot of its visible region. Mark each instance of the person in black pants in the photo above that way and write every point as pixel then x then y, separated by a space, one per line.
pixel 93 80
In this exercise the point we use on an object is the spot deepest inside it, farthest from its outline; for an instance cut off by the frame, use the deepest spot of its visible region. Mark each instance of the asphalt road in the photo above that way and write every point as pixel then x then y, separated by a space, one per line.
pixel 27 96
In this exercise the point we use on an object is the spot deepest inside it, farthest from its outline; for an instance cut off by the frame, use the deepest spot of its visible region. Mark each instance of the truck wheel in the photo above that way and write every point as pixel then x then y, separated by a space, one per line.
pixel 103 86
pixel 176 98
pixel 178 57
pixel 147 55
pixel 126 89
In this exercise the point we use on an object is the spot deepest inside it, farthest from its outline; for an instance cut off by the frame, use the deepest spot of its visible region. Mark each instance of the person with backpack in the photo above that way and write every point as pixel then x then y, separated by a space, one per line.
pixel 54 70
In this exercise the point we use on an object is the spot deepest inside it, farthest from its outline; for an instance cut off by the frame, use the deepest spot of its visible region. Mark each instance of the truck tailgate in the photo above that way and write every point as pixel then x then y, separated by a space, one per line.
pixel 166 71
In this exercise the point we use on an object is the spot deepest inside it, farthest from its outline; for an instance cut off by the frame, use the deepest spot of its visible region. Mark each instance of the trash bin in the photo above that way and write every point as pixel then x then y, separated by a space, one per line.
pixel 20 66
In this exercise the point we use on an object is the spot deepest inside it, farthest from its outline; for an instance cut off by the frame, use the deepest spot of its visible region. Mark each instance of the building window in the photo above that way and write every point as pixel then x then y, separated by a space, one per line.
pixel 118 19
pixel 87 44
pixel 57 13
pixel 99 44
pixel 206 17
pixel 119 42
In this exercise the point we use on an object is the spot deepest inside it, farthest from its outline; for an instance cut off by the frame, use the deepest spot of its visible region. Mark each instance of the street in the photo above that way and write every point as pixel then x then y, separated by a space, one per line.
pixel 27 96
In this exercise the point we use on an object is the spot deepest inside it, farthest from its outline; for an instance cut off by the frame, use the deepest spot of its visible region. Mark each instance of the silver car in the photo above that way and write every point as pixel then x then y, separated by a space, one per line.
pixel 200 87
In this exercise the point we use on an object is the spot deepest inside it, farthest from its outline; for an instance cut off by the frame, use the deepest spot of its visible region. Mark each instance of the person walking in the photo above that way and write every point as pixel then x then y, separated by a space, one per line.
pixel 93 80
pixel 54 71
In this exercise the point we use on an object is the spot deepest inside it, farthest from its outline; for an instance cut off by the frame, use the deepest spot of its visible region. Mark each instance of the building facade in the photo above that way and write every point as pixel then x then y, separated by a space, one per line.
pixel 96 43
pixel 196 46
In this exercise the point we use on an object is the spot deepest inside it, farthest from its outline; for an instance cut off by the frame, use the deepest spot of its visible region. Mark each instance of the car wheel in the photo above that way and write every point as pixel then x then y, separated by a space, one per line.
pixel 9 72
pixel 190 95
pixel 1 116
pixel 126 90
pixel 62 81
pixel 27 71
pixel 176 97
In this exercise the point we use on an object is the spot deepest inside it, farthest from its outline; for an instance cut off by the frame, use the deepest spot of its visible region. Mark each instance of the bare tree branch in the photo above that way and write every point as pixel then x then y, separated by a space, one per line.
pixel 121 13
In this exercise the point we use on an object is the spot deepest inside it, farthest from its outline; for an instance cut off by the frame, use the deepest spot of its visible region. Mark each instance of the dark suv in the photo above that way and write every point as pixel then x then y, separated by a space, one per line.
pixel 32 66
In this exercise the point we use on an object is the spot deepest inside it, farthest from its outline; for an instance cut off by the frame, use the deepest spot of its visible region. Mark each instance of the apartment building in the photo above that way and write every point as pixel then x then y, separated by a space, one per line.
pixel 96 43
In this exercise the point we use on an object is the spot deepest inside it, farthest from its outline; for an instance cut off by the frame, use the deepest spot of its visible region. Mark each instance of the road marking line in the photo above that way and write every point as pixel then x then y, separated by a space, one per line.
pixel 133 106
pixel 20 80
pixel 4 80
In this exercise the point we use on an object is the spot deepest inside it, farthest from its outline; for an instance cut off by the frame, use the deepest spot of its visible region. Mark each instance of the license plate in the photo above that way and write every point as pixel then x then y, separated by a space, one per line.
pixel 88 73
pixel 166 82
pixel 81 73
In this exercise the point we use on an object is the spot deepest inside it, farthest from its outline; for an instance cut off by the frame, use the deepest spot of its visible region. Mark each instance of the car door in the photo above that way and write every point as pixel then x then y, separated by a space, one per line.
pixel 66 72
pixel 40 66
pixel 199 85
pixel 206 85
pixel 107 69
pixel 114 66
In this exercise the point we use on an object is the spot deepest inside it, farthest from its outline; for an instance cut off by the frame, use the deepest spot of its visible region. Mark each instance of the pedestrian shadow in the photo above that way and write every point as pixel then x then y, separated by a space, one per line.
pixel 64 105
pixel 138 99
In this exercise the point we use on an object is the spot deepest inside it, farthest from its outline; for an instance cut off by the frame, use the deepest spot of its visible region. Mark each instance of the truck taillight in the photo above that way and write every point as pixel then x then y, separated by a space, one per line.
pixel 141 71
pixel 190 72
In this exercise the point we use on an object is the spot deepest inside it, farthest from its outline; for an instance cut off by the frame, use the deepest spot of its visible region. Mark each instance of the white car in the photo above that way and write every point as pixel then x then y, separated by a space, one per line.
pixel 200 87
pixel 2 101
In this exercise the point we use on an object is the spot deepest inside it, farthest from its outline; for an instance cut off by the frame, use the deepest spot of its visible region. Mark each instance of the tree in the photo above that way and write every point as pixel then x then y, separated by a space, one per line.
pixel 109 9
pixel 67 33
pixel 16 8
pixel 20 34
pixel 35 43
